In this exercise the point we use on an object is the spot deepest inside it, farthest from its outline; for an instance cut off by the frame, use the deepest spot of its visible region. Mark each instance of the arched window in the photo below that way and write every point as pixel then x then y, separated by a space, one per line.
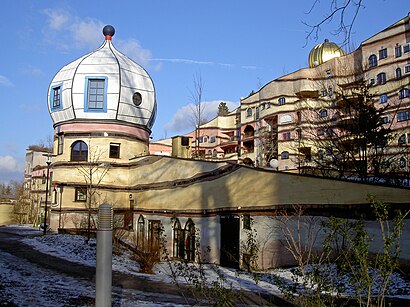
pixel 398 73
pixel 284 155
pixel 190 240
pixel 249 112
pixel 373 60
pixel 323 113
pixel 141 232
pixel 179 249
pixel 214 153
pixel 79 151
pixel 249 131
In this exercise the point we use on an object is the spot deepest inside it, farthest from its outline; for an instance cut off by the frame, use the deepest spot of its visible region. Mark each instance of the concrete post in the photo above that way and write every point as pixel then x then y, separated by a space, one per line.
pixel 104 257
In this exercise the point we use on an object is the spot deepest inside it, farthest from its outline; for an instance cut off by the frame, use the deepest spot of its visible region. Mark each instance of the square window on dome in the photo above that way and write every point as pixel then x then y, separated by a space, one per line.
pixel 96 95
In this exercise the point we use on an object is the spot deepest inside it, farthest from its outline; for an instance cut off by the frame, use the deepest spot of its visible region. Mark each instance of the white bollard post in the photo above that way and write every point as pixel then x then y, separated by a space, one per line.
pixel 103 284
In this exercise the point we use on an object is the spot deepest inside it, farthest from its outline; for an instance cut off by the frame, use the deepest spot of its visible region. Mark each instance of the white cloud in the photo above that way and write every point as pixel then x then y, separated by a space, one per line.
pixel 189 61
pixel 182 121
pixel 57 19
pixel 87 32
pixel 8 164
pixel 67 32
pixel 10 169
pixel 132 48
pixel 5 82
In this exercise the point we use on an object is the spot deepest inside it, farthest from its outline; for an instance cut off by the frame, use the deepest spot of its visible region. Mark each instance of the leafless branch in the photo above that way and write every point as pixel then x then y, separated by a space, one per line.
pixel 337 10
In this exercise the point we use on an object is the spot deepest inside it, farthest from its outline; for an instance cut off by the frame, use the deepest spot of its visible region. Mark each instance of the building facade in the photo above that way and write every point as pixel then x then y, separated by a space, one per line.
pixel 103 107
pixel 293 122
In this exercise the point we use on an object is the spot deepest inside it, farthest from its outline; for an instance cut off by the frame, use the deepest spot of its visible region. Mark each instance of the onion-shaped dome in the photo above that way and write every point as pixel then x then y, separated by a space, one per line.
pixel 324 52
pixel 104 86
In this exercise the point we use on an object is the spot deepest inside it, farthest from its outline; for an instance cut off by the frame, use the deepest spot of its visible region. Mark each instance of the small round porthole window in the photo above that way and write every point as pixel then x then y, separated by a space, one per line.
pixel 137 98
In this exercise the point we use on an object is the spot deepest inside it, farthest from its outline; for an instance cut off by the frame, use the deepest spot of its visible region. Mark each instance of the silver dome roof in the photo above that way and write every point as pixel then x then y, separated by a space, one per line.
pixel 103 85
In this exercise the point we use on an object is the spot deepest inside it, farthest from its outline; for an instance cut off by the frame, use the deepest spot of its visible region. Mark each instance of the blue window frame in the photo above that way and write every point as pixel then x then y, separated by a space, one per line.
pixel 55 98
pixel 383 98
pixel 404 93
pixel 284 155
pixel 95 99
pixel 403 115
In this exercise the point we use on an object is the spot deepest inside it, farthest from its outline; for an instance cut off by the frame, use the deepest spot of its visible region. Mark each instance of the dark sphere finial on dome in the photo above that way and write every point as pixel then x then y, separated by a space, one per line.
pixel 108 32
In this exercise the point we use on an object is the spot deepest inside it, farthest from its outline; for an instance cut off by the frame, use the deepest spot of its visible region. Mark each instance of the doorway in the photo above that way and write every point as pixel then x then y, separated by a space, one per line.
pixel 230 241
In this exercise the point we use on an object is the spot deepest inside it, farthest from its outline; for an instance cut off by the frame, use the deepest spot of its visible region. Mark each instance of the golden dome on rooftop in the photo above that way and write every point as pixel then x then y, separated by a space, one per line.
pixel 324 52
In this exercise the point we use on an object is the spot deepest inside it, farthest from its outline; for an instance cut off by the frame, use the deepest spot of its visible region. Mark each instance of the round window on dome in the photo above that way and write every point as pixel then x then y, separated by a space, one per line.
pixel 137 98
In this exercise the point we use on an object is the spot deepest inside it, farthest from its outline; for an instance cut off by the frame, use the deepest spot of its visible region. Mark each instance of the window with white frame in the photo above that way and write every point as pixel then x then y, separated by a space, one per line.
pixel 80 194
pixel 114 150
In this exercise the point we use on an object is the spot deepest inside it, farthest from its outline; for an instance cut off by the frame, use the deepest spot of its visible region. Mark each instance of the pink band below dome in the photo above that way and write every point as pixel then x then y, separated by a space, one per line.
pixel 105 127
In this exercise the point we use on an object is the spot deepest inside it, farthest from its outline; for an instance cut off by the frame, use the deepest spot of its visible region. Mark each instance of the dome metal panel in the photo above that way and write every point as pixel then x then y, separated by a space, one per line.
pixel 123 78
pixel 323 52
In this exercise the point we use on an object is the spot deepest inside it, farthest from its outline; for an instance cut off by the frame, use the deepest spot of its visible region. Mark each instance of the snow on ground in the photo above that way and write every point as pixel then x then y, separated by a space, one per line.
pixel 49 289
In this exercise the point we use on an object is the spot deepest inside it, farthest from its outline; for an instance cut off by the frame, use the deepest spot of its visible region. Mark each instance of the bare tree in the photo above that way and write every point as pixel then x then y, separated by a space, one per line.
pixel 345 13
pixel 93 172
pixel 21 209
pixel 344 132
pixel 197 108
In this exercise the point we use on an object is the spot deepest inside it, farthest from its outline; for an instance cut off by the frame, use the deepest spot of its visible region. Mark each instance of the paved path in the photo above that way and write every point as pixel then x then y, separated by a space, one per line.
pixel 153 291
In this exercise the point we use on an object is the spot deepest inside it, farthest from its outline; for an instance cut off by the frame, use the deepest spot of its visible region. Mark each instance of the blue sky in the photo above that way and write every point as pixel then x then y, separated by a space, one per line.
pixel 235 46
